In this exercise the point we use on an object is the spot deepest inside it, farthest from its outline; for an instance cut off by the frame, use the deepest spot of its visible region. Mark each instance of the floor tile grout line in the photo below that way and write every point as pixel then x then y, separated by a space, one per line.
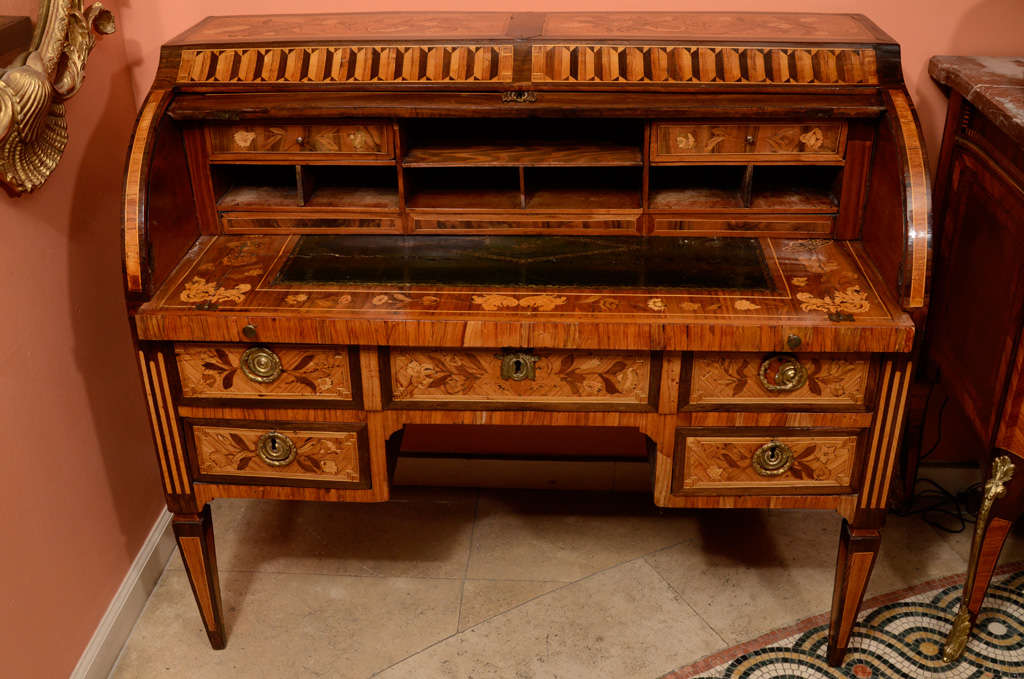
pixel 507 610
pixel 684 600
pixel 469 557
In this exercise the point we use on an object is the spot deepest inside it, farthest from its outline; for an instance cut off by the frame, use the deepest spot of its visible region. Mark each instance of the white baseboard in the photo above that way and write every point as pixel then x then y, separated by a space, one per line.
pixel 116 624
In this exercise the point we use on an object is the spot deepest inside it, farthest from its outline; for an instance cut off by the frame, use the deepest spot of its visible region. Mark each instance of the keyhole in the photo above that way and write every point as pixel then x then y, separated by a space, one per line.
pixel 273 445
pixel 517 366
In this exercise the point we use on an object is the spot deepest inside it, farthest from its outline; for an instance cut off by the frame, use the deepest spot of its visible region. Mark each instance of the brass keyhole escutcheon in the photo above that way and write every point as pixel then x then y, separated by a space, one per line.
pixel 782 372
pixel 772 459
pixel 518 366
pixel 260 364
pixel 275 449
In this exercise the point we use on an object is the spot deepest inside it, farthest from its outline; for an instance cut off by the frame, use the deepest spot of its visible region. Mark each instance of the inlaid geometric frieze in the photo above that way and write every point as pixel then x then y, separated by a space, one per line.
pixel 703 64
pixel 348 64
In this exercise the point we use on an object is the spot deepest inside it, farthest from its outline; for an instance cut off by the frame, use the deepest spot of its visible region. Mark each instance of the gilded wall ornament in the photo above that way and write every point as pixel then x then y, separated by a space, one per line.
pixel 34 87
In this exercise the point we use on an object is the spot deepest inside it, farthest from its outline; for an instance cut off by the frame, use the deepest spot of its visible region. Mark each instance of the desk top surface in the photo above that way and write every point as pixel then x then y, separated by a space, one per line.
pixel 676 26
pixel 807 282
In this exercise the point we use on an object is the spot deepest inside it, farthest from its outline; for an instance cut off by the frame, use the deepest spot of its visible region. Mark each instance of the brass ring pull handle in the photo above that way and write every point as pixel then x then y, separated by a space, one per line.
pixel 782 372
pixel 518 366
pixel 261 365
pixel 275 449
pixel 772 459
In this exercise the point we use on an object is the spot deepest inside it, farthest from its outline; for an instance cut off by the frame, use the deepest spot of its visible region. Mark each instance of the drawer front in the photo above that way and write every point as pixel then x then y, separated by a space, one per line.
pixel 235 222
pixel 264 372
pixel 796 226
pixel 358 140
pixel 759 381
pixel 776 462
pixel 491 377
pixel 294 454
pixel 683 142
pixel 619 223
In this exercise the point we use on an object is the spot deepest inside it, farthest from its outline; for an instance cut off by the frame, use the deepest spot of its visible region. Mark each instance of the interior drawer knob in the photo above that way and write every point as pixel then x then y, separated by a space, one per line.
pixel 782 372
pixel 275 449
pixel 518 366
pixel 301 141
pixel 772 459
pixel 260 364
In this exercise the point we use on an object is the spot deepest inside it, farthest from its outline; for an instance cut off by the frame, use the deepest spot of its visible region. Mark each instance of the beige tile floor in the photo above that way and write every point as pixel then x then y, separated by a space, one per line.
pixel 506 584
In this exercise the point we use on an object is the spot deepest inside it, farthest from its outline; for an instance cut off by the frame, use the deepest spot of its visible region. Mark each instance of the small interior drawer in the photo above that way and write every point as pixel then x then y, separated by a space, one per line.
pixel 514 378
pixel 773 142
pixel 227 371
pixel 768 381
pixel 737 224
pixel 776 461
pixel 349 139
pixel 335 455
pixel 614 223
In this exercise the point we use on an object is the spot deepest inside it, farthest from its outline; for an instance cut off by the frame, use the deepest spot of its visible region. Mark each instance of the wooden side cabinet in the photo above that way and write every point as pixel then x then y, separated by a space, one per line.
pixel 974 344
pixel 710 229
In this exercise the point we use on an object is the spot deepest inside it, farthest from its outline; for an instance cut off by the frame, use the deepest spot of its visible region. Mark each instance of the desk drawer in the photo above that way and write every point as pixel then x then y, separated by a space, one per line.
pixel 226 371
pixel 779 461
pixel 777 142
pixel 515 378
pixel 765 381
pixel 293 454
pixel 355 140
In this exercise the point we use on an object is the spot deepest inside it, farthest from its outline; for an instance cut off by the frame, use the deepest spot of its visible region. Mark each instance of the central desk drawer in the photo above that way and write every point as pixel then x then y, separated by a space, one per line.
pixel 335 455
pixel 516 378
pixel 769 381
pixel 265 372
pixel 771 461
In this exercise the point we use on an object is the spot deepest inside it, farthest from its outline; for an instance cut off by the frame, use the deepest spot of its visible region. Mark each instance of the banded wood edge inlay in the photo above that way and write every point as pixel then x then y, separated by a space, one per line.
pixel 885 435
pixel 703 64
pixel 133 191
pixel 192 551
pixel 170 450
pixel 918 200
pixel 348 63
pixel 860 570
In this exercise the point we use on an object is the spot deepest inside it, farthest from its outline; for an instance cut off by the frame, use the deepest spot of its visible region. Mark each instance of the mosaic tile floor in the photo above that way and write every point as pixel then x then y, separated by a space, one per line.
pixel 898 638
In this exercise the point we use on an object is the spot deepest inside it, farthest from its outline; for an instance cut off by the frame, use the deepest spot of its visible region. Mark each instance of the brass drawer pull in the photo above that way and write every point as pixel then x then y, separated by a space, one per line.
pixel 260 364
pixel 782 372
pixel 518 366
pixel 275 449
pixel 772 459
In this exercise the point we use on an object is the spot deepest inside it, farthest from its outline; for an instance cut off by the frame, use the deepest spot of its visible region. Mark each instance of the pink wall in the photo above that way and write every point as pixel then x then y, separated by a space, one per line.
pixel 79 489
pixel 923 27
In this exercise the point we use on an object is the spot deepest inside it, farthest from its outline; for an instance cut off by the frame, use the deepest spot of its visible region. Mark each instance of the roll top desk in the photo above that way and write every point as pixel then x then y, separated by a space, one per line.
pixel 711 229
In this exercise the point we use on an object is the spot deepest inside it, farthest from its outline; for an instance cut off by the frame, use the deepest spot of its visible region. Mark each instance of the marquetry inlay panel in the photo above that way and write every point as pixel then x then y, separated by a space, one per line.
pixel 733 378
pixel 348 64
pixel 724 462
pixel 580 63
pixel 166 432
pixel 319 455
pixel 784 142
pixel 560 377
pixel 215 371
pixel 885 434
pixel 358 139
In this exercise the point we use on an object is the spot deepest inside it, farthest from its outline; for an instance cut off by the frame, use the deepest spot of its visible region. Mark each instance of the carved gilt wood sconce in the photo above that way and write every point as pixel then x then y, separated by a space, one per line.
pixel 34 87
